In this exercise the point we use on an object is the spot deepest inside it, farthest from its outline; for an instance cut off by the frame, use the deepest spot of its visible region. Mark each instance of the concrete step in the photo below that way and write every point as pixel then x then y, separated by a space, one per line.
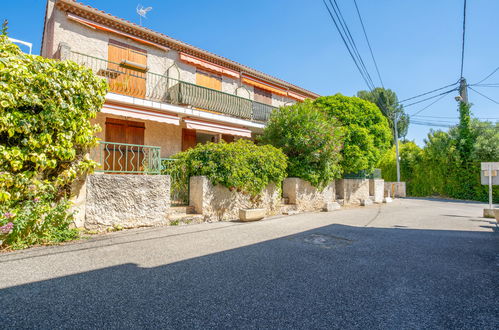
pixel 284 200
pixel 340 201
pixel 182 210
pixel 176 219
pixel 289 209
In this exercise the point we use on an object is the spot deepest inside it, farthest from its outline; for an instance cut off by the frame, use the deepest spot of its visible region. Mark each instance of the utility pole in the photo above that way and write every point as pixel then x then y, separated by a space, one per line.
pixel 395 122
pixel 463 90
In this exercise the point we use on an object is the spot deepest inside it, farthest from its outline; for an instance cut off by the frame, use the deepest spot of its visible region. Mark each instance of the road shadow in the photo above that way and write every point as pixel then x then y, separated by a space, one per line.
pixel 335 276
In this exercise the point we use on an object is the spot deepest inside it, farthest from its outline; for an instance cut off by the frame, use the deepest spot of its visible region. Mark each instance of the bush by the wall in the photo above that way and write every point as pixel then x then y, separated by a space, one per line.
pixel 45 107
pixel 240 165
pixel 310 140
pixel 367 134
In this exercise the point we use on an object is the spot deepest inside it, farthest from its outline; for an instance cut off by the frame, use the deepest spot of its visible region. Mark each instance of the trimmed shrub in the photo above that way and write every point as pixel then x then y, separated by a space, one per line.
pixel 366 133
pixel 240 165
pixel 310 140
pixel 45 107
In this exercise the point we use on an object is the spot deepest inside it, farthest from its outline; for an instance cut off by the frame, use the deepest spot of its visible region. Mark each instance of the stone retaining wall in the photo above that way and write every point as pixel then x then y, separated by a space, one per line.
pixel 395 189
pixel 126 200
pixel 305 196
pixel 352 191
pixel 218 203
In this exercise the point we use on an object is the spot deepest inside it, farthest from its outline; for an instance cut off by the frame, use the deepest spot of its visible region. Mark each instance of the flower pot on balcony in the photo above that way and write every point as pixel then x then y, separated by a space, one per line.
pixel 251 214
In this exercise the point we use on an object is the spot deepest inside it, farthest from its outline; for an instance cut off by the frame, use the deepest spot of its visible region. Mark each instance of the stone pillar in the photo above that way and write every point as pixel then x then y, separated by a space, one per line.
pixel 352 191
pixel 198 189
pixel 376 189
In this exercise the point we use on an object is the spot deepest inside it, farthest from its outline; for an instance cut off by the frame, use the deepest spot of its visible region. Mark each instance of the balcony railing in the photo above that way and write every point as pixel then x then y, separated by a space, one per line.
pixel 162 88
pixel 123 158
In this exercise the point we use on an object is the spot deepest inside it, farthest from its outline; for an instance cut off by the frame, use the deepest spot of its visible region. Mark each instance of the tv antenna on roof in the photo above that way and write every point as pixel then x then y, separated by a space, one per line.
pixel 142 12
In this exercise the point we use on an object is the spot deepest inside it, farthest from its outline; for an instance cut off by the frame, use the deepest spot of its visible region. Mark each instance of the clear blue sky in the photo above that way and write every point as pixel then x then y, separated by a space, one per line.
pixel 416 43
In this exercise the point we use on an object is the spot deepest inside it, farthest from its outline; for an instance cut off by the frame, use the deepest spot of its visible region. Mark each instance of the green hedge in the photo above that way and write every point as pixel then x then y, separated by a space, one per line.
pixel 438 170
pixel 240 165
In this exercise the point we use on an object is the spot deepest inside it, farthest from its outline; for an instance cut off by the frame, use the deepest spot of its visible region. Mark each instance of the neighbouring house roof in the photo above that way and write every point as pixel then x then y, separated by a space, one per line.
pixel 99 16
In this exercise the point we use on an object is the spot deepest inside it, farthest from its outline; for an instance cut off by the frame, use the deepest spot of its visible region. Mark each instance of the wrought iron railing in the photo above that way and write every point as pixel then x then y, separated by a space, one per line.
pixel 162 88
pixel 123 158
pixel 179 188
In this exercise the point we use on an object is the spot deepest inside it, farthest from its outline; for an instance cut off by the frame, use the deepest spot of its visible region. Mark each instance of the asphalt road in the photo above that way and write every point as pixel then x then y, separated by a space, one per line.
pixel 410 264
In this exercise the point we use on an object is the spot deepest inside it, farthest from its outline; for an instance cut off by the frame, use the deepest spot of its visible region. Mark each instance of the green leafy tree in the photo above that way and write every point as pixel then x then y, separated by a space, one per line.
pixel 45 132
pixel 366 132
pixel 387 102
pixel 310 140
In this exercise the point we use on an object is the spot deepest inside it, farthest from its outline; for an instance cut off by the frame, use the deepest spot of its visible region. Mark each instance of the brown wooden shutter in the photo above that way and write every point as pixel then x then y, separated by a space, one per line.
pixel 228 138
pixel 124 79
pixel 188 138
pixel 208 80
pixel 119 158
pixel 262 96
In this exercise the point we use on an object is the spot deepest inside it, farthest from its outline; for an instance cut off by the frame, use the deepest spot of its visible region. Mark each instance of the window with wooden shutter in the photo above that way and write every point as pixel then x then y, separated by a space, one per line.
pixel 208 80
pixel 262 96
pixel 121 158
pixel 127 69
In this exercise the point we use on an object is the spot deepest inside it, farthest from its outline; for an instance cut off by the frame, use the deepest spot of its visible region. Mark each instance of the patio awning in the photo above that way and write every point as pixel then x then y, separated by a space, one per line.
pixel 140 114
pixel 217 128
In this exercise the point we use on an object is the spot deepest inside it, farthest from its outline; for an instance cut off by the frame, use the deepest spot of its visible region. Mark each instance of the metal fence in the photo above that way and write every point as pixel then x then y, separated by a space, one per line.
pixel 376 174
pixel 162 88
pixel 127 158
pixel 179 188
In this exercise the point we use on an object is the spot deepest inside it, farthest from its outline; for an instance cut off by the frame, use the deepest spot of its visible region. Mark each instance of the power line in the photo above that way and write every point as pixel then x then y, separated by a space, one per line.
pixel 487 77
pixel 432 91
pixel 464 35
pixel 362 73
pixel 431 97
pixel 429 105
pixel 443 117
pixel 490 99
pixel 368 43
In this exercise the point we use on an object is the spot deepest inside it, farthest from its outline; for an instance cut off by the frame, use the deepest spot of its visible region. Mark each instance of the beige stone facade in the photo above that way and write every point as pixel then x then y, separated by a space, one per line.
pixel 352 191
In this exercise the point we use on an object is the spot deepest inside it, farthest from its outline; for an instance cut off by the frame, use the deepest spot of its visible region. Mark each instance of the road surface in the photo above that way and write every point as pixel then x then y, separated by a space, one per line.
pixel 413 263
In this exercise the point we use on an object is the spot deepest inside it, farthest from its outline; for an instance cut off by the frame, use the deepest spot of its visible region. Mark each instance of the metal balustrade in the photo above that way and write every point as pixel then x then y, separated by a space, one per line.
pixel 123 158
pixel 162 88
pixel 179 188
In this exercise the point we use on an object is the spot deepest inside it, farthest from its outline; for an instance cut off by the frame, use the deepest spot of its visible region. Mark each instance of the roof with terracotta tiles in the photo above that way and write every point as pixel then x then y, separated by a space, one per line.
pixel 102 17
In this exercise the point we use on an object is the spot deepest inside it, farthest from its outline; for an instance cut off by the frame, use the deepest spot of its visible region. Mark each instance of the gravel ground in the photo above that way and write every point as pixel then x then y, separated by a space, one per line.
pixel 414 263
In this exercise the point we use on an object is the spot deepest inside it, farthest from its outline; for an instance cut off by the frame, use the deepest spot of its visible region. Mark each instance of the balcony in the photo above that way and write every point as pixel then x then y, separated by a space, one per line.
pixel 162 88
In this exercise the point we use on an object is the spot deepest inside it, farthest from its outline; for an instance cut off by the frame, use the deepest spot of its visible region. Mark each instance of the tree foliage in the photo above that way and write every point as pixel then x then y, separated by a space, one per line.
pixel 45 107
pixel 439 168
pixel 240 165
pixel 310 140
pixel 366 132
pixel 387 102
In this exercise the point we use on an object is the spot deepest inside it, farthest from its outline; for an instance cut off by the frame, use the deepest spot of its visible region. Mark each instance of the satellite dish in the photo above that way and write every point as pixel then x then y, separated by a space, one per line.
pixel 142 12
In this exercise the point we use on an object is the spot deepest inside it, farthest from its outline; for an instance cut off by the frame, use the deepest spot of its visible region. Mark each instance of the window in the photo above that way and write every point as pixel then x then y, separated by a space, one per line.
pixel 262 96
pixel 208 80
pixel 127 69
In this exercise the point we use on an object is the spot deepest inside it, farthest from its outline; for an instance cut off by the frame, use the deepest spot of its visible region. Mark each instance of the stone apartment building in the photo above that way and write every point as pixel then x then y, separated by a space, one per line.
pixel 165 95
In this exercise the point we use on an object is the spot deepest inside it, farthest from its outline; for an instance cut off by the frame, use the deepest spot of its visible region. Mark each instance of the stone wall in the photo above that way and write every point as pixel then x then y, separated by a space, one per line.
pixel 126 200
pixel 395 189
pixel 352 191
pixel 218 203
pixel 376 189
pixel 305 196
